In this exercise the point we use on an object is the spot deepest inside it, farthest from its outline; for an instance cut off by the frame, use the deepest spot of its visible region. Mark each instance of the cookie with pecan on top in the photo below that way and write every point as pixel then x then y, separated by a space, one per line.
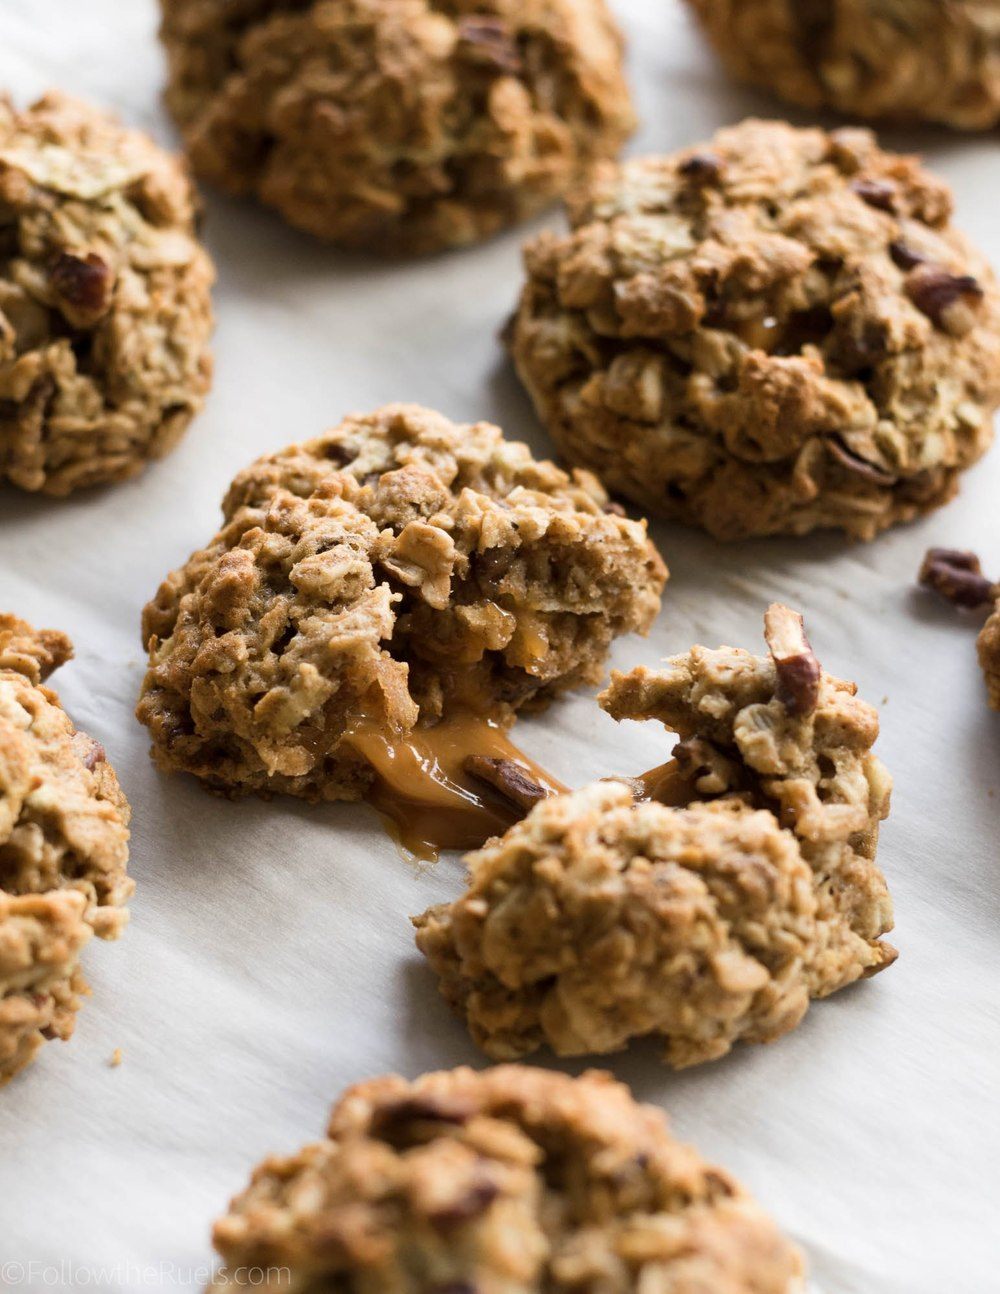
pixel 702 906
pixel 512 1179
pixel 777 331
pixel 397 125
pixel 898 60
pixel 105 312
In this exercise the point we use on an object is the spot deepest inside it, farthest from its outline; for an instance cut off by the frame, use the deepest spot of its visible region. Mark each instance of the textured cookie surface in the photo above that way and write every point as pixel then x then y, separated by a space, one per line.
pixel 743 735
pixel 63 847
pixel 509 1181
pixel 397 125
pixel 894 59
pixel 989 656
pixel 599 919
pixel 396 571
pixel 777 331
pixel 105 312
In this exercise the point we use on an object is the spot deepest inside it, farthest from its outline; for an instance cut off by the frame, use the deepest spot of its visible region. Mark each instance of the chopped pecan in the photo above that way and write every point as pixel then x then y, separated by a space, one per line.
pixel 513 781
pixel 400 1120
pixel 905 256
pixel 795 663
pixel 82 287
pixel 877 193
pixel 489 40
pixel 701 168
pixel 943 297
pixel 857 465
pixel 719 1185
pixel 957 576
pixel 471 1204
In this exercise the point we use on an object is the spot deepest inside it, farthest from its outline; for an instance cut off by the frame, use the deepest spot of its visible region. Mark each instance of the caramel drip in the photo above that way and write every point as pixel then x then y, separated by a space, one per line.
pixel 423 790
pixel 665 784
pixel 760 333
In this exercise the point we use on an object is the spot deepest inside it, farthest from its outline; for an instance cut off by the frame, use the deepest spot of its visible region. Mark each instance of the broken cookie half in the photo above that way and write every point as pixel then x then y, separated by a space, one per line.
pixel 63 848
pixel 709 918
pixel 512 1180
pixel 378 606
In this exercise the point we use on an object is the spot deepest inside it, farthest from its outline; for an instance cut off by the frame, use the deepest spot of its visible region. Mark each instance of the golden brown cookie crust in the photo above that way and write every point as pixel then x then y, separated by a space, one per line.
pixel 814 769
pixel 63 847
pixel 899 60
pixel 105 312
pixel 511 1179
pixel 398 570
pixel 774 332
pixel 397 125
pixel 598 920
pixel 989 656
pixel 41 936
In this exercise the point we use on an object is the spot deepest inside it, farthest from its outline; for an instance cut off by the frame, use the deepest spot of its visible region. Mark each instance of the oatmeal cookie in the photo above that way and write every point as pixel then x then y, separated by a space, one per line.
pixel 63 847
pixel 779 733
pixel 397 125
pixel 508 1181
pixel 902 60
pixel 41 936
pixel 105 312
pixel 394 572
pixel 599 919
pixel 988 646
pixel 958 577
pixel 776 331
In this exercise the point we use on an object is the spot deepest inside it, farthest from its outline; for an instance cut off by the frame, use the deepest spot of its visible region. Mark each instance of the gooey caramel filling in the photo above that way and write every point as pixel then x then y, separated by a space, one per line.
pixel 665 784
pixel 430 798
pixel 424 791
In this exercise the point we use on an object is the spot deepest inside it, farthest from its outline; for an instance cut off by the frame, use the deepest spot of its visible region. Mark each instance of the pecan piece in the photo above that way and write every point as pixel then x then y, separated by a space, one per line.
pixel 401 1119
pixel 877 193
pixel 946 299
pixel 488 40
pixel 958 577
pixel 905 256
pixel 701 168
pixel 795 662
pixel 513 781
pixel 82 286
pixel 857 465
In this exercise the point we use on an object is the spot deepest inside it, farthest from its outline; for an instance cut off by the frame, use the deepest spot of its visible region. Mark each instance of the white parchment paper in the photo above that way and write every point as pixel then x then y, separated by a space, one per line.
pixel 270 961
